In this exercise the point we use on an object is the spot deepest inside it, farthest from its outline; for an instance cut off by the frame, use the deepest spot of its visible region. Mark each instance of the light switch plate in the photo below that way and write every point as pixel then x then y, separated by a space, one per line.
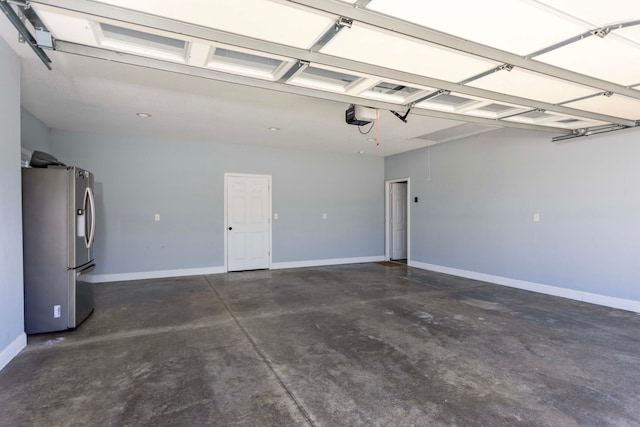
pixel 536 217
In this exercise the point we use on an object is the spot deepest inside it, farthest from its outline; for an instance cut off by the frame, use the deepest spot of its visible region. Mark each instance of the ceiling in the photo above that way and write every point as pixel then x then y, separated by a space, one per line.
pixel 229 71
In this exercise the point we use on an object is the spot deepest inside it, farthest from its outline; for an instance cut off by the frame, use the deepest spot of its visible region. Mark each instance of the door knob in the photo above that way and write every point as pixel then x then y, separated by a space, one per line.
pixel 230 228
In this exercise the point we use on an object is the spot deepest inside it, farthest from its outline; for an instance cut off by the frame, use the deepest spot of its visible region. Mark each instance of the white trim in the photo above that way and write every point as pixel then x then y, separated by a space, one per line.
pixel 12 350
pixel 324 262
pixel 101 278
pixel 228 174
pixel 604 300
pixel 119 277
pixel 607 301
pixel 160 274
pixel 387 217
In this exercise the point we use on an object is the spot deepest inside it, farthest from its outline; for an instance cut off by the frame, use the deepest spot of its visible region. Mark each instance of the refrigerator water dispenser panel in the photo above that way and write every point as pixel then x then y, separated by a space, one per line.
pixel 81 223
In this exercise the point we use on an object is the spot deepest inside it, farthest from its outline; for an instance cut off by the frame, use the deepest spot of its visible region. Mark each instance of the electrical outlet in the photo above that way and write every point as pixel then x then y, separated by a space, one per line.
pixel 57 312
pixel 536 217
pixel 275 216
pixel 157 217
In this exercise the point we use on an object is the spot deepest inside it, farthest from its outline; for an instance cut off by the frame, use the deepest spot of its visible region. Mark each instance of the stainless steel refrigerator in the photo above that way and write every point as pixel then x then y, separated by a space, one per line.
pixel 58 217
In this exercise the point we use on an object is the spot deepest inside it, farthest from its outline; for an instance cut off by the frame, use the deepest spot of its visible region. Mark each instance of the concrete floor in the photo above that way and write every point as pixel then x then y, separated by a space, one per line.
pixel 349 345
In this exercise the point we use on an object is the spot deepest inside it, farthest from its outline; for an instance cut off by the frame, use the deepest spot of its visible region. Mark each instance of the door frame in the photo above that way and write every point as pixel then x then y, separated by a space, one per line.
pixel 387 217
pixel 270 222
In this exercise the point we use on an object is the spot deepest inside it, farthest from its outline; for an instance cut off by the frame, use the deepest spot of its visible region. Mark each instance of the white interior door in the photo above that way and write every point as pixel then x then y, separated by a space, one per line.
pixel 398 220
pixel 248 222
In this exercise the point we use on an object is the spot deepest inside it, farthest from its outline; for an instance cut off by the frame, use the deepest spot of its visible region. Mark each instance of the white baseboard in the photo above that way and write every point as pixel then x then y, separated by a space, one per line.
pixel 12 350
pixel 324 262
pixel 621 303
pixel 604 300
pixel 607 301
pixel 101 278
pixel 119 277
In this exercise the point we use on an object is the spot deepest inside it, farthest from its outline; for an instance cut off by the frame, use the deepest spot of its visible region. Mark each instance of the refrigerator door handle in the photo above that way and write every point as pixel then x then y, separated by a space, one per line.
pixel 92 202
pixel 82 222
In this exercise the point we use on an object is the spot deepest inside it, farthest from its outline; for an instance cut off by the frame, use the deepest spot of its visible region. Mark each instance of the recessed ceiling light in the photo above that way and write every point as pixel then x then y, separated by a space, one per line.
pixel 143 115
pixel 274 129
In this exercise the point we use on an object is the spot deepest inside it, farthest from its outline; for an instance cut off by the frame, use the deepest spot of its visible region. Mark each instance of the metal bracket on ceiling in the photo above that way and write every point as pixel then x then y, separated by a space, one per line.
pixel 341 23
pixel 344 22
pixel 23 32
pixel 26 13
pixel 42 34
pixel 296 68
pixel 601 32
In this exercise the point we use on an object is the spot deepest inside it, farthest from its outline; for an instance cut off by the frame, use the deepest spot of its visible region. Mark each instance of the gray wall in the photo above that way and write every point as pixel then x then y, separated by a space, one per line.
pixel 476 212
pixel 183 181
pixel 11 287
pixel 35 135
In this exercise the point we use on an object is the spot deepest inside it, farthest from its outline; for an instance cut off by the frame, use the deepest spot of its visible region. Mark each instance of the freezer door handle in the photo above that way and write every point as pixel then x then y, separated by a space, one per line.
pixel 88 269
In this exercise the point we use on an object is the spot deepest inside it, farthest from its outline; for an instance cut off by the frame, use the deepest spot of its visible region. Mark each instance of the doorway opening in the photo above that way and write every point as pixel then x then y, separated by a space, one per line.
pixel 397 207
